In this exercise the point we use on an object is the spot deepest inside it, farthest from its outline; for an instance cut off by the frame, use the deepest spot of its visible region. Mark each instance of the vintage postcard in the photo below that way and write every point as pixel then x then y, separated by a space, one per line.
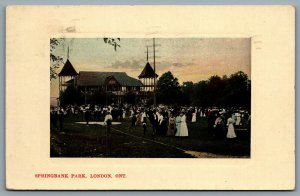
pixel 150 98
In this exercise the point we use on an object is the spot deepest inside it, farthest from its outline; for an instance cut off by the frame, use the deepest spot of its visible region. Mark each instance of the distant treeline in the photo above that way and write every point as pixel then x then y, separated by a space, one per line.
pixel 232 91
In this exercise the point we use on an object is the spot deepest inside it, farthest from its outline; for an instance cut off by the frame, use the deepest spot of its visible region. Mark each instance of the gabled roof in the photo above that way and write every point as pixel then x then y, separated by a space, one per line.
pixel 147 72
pixel 93 78
pixel 68 70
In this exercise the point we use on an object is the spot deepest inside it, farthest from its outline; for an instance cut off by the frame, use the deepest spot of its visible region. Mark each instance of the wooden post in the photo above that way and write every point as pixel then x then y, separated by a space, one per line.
pixel 154 73
pixel 59 89
pixel 85 95
pixel 107 142
pixel 106 95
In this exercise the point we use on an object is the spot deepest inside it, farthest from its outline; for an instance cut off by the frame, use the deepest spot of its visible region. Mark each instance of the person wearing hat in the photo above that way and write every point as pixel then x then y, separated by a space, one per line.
pixel 53 118
pixel 144 122
pixel 138 118
pixel 108 119
pixel 194 116
pixel 133 120
pixel 218 126
pixel 172 125
pixel 230 130
pixel 164 124
pixel 160 127
pixel 123 113
pixel 87 115
pixel 238 118
pixel 183 126
pixel 178 125
pixel 153 120
pixel 60 114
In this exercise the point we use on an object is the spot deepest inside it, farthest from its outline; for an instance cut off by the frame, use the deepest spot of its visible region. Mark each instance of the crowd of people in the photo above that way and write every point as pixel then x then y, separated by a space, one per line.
pixel 162 120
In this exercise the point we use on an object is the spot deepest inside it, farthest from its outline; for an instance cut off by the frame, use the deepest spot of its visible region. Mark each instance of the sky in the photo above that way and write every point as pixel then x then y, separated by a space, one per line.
pixel 189 59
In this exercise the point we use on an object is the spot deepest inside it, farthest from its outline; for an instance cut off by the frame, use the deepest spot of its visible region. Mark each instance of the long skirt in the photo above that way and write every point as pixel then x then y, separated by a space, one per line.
pixel 183 130
pixel 171 130
pixel 231 132
pixel 194 118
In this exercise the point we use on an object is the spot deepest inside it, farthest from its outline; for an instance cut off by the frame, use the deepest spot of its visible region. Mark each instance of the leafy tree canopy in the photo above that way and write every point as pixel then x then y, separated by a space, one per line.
pixel 168 89
pixel 232 91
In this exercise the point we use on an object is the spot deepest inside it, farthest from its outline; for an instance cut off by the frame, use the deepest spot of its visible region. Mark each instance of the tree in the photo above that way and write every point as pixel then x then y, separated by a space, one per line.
pixel 168 90
pixel 71 96
pixel 187 89
pixel 215 91
pixel 238 90
pixel 113 41
pixel 57 60
pixel 234 91
pixel 199 97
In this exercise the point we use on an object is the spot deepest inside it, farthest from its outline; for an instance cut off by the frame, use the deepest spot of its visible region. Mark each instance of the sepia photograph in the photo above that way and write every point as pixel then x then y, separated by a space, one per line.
pixel 150 97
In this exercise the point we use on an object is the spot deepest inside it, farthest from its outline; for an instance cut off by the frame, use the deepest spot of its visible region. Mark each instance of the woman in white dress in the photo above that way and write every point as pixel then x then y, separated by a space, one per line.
pixel 183 127
pixel 230 132
pixel 124 114
pixel 178 122
pixel 238 119
pixel 194 117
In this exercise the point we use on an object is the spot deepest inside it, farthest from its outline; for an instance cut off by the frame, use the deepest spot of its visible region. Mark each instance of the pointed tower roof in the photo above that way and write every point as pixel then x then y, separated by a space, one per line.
pixel 68 70
pixel 147 72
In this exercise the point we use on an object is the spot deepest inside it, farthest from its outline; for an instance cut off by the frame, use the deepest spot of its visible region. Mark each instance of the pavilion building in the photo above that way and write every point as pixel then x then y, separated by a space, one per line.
pixel 114 85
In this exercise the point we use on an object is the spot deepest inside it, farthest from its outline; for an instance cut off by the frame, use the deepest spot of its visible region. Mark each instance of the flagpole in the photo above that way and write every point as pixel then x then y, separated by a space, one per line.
pixel 154 98
pixel 147 55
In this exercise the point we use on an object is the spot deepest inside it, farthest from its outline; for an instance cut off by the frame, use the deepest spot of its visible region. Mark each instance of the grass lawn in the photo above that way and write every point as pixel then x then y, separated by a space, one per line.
pixel 80 140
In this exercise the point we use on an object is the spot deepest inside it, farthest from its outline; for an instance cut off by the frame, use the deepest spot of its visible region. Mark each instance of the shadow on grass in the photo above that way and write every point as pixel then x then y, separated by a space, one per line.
pixel 79 140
